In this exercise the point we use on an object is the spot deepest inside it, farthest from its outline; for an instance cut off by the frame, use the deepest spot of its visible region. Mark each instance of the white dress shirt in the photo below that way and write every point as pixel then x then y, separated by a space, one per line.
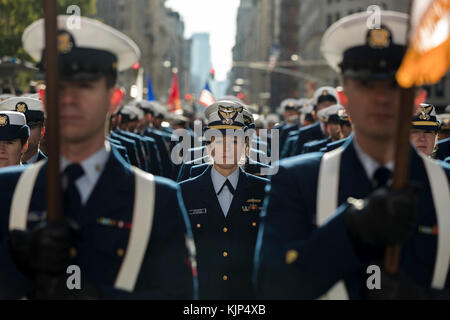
pixel 369 164
pixel 93 167
pixel 225 197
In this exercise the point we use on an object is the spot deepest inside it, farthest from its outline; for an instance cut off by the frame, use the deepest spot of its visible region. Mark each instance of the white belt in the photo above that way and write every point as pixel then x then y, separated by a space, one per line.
pixel 327 203
pixel 143 212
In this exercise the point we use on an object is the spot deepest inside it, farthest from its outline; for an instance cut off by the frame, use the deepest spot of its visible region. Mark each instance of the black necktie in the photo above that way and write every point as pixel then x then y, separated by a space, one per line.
pixel 229 185
pixel 72 198
pixel 381 177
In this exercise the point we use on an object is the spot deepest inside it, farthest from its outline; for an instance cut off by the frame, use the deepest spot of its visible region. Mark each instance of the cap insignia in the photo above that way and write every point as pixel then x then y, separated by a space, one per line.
pixel 65 42
pixel 21 107
pixel 228 114
pixel 379 38
pixel 3 120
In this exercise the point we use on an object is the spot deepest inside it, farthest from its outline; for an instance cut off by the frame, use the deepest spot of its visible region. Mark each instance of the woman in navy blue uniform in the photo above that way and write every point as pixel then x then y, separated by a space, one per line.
pixel 223 205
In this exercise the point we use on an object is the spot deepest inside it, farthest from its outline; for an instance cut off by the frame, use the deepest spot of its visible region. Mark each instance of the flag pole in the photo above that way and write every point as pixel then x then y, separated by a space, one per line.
pixel 401 156
pixel 401 167
pixel 51 105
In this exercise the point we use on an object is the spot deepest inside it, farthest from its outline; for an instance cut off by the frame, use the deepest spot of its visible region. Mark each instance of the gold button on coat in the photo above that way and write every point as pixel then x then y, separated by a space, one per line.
pixel 73 252
pixel 120 252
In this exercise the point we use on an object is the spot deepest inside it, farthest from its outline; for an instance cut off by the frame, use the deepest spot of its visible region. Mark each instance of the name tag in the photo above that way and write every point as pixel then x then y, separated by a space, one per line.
pixel 197 211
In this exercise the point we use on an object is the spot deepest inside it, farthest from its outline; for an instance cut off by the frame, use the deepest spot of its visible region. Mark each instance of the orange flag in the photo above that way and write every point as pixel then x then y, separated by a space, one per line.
pixel 428 56
pixel 174 95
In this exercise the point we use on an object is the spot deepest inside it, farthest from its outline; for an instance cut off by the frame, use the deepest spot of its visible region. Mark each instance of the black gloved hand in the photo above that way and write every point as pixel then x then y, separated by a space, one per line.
pixel 20 248
pixel 396 287
pixel 45 249
pixel 384 218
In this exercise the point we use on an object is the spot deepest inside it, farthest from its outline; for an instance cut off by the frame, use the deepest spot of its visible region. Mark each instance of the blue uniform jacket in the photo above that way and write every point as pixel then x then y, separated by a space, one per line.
pixel 225 245
pixel 163 149
pixel 140 148
pixel 118 145
pixel 289 144
pixel 122 151
pixel 335 144
pixel 326 255
pixel 147 152
pixel 443 149
pixel 316 145
pixel 130 145
pixel 185 169
pixel 284 132
pixel 164 273
pixel 306 134
pixel 41 156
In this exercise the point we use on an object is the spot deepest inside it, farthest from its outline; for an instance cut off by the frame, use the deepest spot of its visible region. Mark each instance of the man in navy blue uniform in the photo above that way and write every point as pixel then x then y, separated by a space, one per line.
pixel 14 134
pixel 317 237
pixel 330 118
pixel 346 129
pixel 323 98
pixel 223 205
pixel 162 138
pixel 346 125
pixel 35 115
pixel 128 119
pixel 126 230
pixel 290 109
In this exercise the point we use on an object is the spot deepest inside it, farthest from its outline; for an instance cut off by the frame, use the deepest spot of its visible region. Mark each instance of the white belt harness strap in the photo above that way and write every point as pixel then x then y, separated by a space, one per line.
pixel 144 205
pixel 20 204
pixel 441 199
pixel 328 185
pixel 327 203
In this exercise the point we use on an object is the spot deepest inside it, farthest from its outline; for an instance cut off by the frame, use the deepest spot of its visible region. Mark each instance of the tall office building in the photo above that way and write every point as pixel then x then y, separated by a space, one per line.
pixel 200 61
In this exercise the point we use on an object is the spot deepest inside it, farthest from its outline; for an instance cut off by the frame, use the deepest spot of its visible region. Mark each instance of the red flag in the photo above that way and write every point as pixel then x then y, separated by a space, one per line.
pixel 117 98
pixel 174 95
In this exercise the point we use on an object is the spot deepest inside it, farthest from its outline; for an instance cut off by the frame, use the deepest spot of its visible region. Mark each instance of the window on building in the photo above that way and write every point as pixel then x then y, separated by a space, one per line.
pixel 338 16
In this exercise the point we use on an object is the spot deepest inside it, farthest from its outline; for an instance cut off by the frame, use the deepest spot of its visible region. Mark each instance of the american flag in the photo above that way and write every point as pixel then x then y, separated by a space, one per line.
pixel 206 97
